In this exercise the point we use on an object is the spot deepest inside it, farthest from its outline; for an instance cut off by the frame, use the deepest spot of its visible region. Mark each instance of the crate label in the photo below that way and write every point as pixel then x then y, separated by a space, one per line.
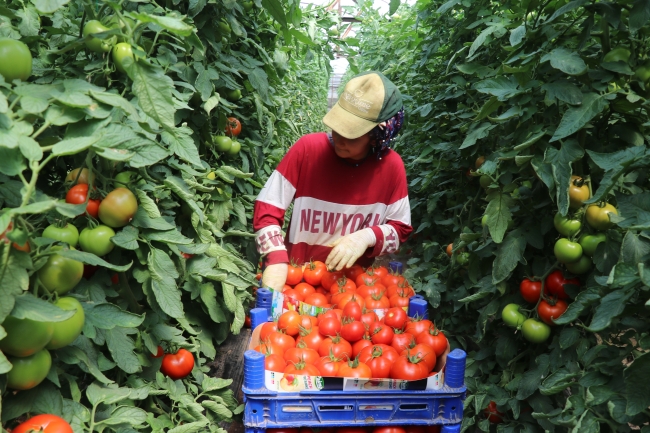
pixel 376 407
pixel 292 382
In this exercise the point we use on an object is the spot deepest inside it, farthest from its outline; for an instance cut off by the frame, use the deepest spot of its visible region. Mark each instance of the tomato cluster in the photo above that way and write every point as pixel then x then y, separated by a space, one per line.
pixel 348 342
pixel 360 429
pixel 374 288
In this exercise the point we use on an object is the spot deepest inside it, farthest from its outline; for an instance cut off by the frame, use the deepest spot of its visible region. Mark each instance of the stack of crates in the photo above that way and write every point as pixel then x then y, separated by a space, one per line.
pixel 266 409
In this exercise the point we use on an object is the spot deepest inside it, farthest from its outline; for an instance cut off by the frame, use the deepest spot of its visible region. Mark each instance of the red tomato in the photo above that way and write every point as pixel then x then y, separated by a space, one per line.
pixel 329 326
pixel 399 300
pixel 396 318
pixel 389 429
pixel 367 278
pixel 78 194
pixel 379 362
pixel 314 272
pixel 417 326
pixel 294 274
pixel 343 284
pixel 328 365
pixel 283 340
pixel 434 338
pixel 353 330
pixel 423 351
pixel 292 293
pixel 381 333
pixel 45 423
pixel 233 127
pixel 275 363
pixel 354 368
pixel 302 368
pixel 301 353
pixel 330 278
pixel 492 413
pixel 338 347
pixel 380 271
pixel 177 365
pixel 402 341
pixel 350 297
pixel 267 329
pixel 360 345
pixel 304 289
pixel 316 299
pixel 409 367
pixel 159 352
pixel 373 288
pixel 530 290
pixel 353 272
pixel 548 311
pixel 392 279
pixel 369 317
pixel 311 337
pixel 555 284
pixel 367 353
pixel 289 322
pixel 247 321
pixel 352 310
pixel 268 348
pixel 377 302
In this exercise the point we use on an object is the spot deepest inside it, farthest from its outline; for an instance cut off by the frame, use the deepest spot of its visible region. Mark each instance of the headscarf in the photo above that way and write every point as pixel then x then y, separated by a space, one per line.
pixel 385 132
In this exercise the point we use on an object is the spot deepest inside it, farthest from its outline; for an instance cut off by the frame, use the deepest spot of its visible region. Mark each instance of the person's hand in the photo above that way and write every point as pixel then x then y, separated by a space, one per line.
pixel 349 248
pixel 275 276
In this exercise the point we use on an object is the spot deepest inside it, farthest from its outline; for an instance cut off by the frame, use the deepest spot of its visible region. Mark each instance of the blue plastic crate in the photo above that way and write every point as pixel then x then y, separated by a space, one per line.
pixel 449 428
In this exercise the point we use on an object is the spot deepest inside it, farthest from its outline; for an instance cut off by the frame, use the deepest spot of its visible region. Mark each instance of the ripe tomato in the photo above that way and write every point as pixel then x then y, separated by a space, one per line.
pixel 85 176
pixel 311 337
pixel 267 348
pixel 434 338
pixel 292 293
pixel 267 329
pixel 289 322
pixel 598 216
pixel 354 368
pixel 29 371
pixel 404 289
pixel 338 347
pixel 377 302
pixel 530 290
pixel 78 195
pixel 343 284
pixel 308 322
pixel 118 207
pixel 360 345
pixel 389 429
pixel 328 365
pixel 393 279
pixel 15 60
pixel 45 423
pixel 374 288
pixel 329 327
pixel 399 300
pixel 302 368
pixel 304 289
pixel 294 274
pixel 551 310
pixel 67 331
pixel 402 341
pixel 97 240
pixel 409 367
pixel 233 127
pixel 159 352
pixel 177 365
pixel 352 330
pixel 417 326
pixel 381 333
pixel 578 192
pixel 396 318
pixel 283 340
pixel 450 249
pixel 60 274
pixel 314 272
pixel 379 362
pixel 275 363
pixel 369 317
pixel 301 353
pixel 492 413
pixel 316 299
pixel 555 282
pixel 68 234
pixel 367 278
pixel 353 272
pixel 24 336
pixel 350 297
pixel 330 278
pixel 380 271
pixel 425 352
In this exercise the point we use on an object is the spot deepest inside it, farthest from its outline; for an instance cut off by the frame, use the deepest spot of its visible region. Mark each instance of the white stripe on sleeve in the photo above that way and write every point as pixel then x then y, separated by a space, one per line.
pixel 277 191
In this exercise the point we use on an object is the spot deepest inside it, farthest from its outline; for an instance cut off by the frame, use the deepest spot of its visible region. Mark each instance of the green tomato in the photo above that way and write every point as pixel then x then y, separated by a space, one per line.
pixel 462 259
pixel 484 220
pixel 642 72
pixel 485 181
pixel 123 179
pixel 68 234
pixel 580 267
pixel 97 240
pixel 535 331
pixel 598 217
pixel 60 274
pixel 67 331
pixel 618 54
pixel 222 143
pixel 234 149
pixel 120 52
pixel 224 27
pixel 248 6
pixel 589 243
pixel 567 251
pixel 118 208
pixel 528 184
pixel 566 226
pixel 15 60
pixel 24 336
pixel 96 44
pixel 511 316
pixel 233 95
pixel 29 371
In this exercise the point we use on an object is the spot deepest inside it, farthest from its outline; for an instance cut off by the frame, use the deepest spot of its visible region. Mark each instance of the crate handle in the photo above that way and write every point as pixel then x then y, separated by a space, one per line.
pixel 289 408
pixel 335 408
pixel 413 407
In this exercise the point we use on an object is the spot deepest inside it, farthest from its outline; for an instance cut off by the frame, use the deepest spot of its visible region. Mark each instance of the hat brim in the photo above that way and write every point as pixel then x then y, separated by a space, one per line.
pixel 347 124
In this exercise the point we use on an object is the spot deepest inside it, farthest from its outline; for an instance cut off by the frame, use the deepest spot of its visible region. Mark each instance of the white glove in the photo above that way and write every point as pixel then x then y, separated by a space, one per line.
pixel 275 276
pixel 349 248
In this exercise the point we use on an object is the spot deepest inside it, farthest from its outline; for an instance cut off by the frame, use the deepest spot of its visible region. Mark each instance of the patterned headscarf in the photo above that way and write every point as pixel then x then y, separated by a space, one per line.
pixel 385 132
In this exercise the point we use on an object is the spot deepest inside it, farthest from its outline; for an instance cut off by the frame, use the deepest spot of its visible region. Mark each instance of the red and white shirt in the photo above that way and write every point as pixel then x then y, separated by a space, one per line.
pixel 332 197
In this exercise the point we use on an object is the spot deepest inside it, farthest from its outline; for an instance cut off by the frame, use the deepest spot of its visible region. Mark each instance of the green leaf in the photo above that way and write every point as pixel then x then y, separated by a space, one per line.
pixel 499 215
pixel 508 254
pixel 531 379
pixel 30 148
pixel 214 383
pixel 501 87
pixel 163 284
pixel 108 316
pixel 122 349
pixel 13 281
pixel 566 61
pixel 584 299
pixel 30 307
pixel 476 133
pixel 73 355
pixel 394 5
pixel 275 9
pixel 611 306
pixel 181 143
pixel 191 427
pixel 616 165
pixel 635 248
pixel 480 39
pixel 91 259
pixel 170 237
pixel 126 238
pixel 209 298
pixel 97 394
pixel 560 162
pixel 5 365
pixel 153 88
pixel 566 8
pixel 126 415
pixel 11 161
pixel 148 204
pixel 447 6
pixel 219 409
pixel 490 106
pixel 558 381
pixel 49 6
pixel 577 117
pixel 563 90
pixel 639 15
pixel 143 220
pixel 170 23
pixel 637 395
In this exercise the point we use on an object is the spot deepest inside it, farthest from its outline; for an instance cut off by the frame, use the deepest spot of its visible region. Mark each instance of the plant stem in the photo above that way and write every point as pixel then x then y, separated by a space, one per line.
pixel 41 129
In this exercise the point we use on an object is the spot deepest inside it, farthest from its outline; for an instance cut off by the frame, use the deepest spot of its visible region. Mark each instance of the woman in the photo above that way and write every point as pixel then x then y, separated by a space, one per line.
pixel 349 191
